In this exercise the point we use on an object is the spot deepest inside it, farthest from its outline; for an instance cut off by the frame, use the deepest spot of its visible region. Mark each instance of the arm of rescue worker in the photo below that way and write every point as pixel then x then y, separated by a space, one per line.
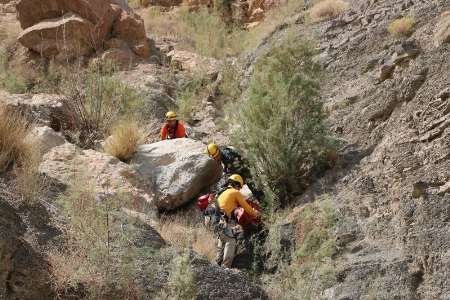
pixel 244 204
pixel 164 132
pixel 182 130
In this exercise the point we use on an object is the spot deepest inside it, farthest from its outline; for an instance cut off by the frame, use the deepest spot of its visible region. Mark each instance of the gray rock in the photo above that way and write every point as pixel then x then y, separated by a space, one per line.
pixel 177 169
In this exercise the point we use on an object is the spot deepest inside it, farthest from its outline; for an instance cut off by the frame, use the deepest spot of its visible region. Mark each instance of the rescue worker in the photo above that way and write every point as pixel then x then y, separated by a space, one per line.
pixel 227 229
pixel 173 128
pixel 233 163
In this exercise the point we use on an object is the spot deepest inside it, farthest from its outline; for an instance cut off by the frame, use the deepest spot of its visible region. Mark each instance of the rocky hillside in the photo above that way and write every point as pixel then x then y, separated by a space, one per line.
pixel 382 231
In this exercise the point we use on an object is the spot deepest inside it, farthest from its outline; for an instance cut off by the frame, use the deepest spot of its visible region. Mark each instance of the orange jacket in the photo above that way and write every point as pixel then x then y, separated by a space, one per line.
pixel 231 199
pixel 167 133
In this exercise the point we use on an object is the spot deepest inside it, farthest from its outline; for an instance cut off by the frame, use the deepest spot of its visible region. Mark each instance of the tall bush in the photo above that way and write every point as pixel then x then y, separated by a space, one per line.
pixel 280 127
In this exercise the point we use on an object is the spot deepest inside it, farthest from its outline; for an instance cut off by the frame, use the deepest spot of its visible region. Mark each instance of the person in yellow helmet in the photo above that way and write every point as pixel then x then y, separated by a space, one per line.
pixel 233 163
pixel 172 129
pixel 228 201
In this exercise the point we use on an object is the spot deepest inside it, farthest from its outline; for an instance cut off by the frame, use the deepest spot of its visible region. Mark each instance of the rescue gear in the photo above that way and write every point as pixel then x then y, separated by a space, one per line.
pixel 171 115
pixel 236 178
pixel 231 199
pixel 213 150
pixel 178 131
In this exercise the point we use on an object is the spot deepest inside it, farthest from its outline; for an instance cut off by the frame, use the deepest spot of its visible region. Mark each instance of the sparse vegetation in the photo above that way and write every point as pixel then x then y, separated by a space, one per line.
pixel 402 27
pixel 307 269
pixel 125 137
pixel 99 254
pixel 280 126
pixel 328 9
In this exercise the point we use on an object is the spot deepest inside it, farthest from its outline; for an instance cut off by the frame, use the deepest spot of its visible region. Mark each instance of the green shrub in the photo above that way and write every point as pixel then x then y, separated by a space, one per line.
pixel 280 126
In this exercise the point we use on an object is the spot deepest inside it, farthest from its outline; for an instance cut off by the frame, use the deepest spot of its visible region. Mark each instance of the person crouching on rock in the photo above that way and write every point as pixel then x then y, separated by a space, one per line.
pixel 227 228
pixel 233 163
pixel 172 129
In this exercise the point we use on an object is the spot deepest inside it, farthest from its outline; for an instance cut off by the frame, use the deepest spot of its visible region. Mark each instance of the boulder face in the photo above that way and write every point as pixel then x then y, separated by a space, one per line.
pixel 68 29
pixel 177 169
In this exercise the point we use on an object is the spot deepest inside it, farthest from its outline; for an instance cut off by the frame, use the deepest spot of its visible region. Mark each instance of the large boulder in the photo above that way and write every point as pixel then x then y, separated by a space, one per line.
pixel 177 169
pixel 68 29
pixel 67 164
pixel 68 36
pixel 63 24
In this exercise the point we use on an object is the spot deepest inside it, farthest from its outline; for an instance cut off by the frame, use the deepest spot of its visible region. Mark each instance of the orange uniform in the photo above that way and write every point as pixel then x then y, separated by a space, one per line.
pixel 173 133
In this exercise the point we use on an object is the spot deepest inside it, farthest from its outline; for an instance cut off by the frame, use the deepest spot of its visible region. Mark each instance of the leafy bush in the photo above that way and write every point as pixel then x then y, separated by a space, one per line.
pixel 15 148
pixel 124 140
pixel 280 126
pixel 402 27
pixel 328 9
pixel 93 101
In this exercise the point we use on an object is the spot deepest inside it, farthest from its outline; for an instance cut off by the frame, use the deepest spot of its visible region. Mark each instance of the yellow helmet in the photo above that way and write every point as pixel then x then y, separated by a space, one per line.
pixel 237 178
pixel 213 150
pixel 171 115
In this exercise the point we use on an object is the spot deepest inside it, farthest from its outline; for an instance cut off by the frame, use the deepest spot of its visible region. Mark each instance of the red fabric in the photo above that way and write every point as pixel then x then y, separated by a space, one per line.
pixel 203 201
pixel 167 133
pixel 243 217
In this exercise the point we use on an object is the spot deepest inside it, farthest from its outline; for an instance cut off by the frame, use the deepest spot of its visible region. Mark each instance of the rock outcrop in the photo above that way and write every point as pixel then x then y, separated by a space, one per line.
pixel 67 163
pixel 177 169
pixel 66 29
pixel 46 138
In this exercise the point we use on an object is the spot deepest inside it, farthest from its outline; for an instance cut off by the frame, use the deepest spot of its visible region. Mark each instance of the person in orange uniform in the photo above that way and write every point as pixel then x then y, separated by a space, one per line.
pixel 228 201
pixel 173 128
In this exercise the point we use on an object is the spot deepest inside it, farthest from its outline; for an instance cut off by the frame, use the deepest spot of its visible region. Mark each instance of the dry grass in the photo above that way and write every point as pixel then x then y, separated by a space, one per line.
pixel 30 184
pixel 274 17
pixel 183 232
pixel 125 137
pixel 15 148
pixel 162 24
pixel 402 27
pixel 327 9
